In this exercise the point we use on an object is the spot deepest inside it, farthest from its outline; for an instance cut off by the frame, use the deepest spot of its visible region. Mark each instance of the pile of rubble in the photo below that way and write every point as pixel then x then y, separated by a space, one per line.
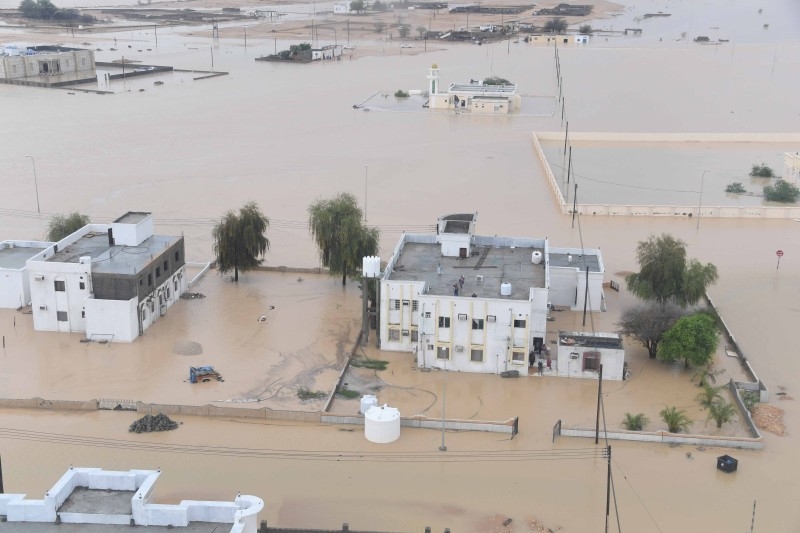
pixel 150 423
pixel 769 418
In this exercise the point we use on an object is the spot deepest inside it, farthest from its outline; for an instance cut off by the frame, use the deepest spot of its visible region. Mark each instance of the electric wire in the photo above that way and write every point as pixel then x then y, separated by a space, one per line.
pixel 638 497
pixel 605 182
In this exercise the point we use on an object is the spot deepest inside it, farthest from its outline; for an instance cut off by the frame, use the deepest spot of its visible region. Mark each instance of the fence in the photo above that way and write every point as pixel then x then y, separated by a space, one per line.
pixel 510 426
pixel 665 437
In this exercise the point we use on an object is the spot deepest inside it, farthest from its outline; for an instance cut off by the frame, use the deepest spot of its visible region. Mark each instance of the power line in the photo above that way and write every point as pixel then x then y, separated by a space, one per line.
pixel 605 182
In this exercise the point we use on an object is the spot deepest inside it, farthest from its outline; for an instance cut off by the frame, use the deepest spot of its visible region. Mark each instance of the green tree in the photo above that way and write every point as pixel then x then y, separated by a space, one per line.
pixel 646 324
pixel 782 191
pixel 720 412
pixel 555 25
pixel 693 338
pixel 379 27
pixel 762 171
pixel 666 275
pixel 403 30
pixel 635 422
pixel 675 419
pixel 60 226
pixel 357 6
pixel 736 188
pixel 340 234
pixel 710 394
pixel 422 30
pixel 496 80
pixel 38 9
pixel 586 28
pixel 240 240
pixel 378 6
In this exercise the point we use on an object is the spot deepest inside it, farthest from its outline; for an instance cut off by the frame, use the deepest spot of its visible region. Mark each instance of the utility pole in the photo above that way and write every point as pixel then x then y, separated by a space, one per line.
pixel 599 399
pixel 574 205
pixel 608 487
pixel 366 182
pixel 586 296
pixel 443 448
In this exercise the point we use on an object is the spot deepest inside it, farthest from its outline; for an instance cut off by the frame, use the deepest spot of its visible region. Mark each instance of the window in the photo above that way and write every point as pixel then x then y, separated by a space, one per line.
pixel 150 279
pixel 491 318
pixel 60 285
pixel 176 285
pixel 443 352
pixel 167 292
pixel 414 335
pixel 520 323
pixel 141 281
pixel 166 266
pixel 394 304
pixel 518 357
pixel 406 303
pixel 158 272
pixel 405 333
pixel 476 355
pixel 444 321
pixel 82 285
pixel 427 314
pixel 177 256
pixel 477 323
pixel 415 305
pixel 591 360
pixel 394 334
pixel 61 316
pixel 83 313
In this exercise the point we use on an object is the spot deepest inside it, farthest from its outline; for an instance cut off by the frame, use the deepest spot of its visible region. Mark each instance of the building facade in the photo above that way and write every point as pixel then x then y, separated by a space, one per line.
pixel 474 97
pixel 475 303
pixel 791 170
pixel 111 281
pixel 15 289
pixel 48 65
pixel 581 354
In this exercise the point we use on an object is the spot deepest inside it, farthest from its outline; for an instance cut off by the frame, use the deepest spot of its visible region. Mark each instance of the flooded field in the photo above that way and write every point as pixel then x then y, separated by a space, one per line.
pixel 284 135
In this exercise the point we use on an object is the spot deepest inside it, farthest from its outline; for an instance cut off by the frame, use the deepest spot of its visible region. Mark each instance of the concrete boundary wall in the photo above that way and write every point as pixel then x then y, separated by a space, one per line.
pixel 772 212
pixel 262 413
pixel 420 421
pixel 665 437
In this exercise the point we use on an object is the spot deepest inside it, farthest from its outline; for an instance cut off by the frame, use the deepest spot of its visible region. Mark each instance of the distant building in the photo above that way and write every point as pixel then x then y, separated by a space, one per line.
pixel 581 354
pixel 475 97
pixel 791 171
pixel 111 281
pixel 48 66
pixel 331 51
pixel 556 40
pixel 341 9
pixel 96 496
pixel 15 289
pixel 494 320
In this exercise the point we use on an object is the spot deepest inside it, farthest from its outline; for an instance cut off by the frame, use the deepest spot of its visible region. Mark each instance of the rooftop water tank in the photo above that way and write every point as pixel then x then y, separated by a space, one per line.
pixel 505 289
pixel 367 401
pixel 536 257
pixel 382 424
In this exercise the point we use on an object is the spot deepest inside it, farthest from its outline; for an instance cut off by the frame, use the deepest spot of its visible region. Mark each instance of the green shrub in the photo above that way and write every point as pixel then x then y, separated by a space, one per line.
pixel 782 191
pixel 307 394
pixel 401 93
pixel 635 422
pixel 344 392
pixel 372 364
pixel 762 171
pixel 736 188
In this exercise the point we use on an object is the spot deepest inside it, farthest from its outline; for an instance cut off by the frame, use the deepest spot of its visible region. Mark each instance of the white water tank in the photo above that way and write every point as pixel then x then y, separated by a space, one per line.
pixel 367 401
pixel 382 424
pixel 536 257
pixel 371 266
pixel 505 289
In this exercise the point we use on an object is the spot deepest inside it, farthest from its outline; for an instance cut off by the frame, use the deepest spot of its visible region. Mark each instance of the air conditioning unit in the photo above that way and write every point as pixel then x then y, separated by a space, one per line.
pixel 459 348
pixel 462 316
pixel 43 307
pixel 479 279
pixel 573 355
pixel 39 278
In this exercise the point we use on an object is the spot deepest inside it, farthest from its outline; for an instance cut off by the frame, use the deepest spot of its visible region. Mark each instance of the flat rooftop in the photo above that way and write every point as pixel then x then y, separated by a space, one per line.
pixel 472 88
pixel 418 262
pixel 591 340
pixel 36 527
pixel 90 501
pixel 132 217
pixel 579 261
pixel 114 259
pixel 14 258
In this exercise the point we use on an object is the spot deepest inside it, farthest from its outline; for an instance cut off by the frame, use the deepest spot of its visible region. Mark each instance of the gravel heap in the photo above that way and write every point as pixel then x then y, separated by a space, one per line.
pixel 150 423
pixel 769 418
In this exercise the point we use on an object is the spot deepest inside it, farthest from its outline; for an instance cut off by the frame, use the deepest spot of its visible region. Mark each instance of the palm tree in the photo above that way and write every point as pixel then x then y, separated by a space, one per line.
pixel 60 226
pixel 341 236
pixel 721 412
pixel 635 422
pixel 675 419
pixel 710 394
pixel 240 240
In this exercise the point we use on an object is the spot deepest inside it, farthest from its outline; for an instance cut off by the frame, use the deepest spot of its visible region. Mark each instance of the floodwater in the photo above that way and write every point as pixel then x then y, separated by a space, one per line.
pixel 284 135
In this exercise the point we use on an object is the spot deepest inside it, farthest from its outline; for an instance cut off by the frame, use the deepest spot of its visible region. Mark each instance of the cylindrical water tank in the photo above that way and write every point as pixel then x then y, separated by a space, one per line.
pixel 382 424
pixel 367 401
pixel 536 257
pixel 505 289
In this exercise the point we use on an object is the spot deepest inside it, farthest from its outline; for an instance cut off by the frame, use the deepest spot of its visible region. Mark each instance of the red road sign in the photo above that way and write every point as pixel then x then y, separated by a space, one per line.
pixel 779 253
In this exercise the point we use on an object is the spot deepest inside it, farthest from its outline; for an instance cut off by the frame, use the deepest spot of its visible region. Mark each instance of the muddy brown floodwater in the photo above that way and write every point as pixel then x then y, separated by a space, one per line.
pixel 284 135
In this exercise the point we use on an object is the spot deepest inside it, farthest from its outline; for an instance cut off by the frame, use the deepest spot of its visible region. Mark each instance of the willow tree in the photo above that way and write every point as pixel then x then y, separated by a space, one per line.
pixel 240 240
pixel 60 226
pixel 337 226
pixel 666 275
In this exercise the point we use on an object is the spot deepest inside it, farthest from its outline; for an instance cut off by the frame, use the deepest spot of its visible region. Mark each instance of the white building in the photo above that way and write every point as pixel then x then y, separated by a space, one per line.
pixel 96 496
pixel 48 66
pixel 341 9
pixel 15 289
pixel 581 354
pixel 474 97
pixel 499 316
pixel 111 281
pixel 331 51
pixel 791 171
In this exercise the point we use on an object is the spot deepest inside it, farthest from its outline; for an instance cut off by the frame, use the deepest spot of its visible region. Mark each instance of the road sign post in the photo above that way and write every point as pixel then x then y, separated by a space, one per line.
pixel 779 253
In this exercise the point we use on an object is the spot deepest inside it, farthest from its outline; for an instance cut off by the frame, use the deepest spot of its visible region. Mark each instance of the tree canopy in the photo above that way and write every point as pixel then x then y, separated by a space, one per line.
pixel 60 226
pixel 693 338
pixel 45 10
pixel 357 6
pixel 666 275
pixel 340 234
pixel 555 25
pixel 496 80
pixel 646 324
pixel 240 240
pixel 675 419
pixel 782 191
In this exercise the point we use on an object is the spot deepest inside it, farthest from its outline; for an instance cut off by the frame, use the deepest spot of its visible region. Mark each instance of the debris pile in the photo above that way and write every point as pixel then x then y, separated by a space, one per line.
pixel 769 418
pixel 150 423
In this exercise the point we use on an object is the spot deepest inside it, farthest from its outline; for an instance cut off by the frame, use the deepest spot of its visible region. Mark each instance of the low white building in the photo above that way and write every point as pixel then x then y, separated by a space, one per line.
pixel 497 315
pixel 15 289
pixel 331 51
pixel 581 354
pixel 791 170
pixel 48 66
pixel 474 97
pixel 96 496
pixel 111 281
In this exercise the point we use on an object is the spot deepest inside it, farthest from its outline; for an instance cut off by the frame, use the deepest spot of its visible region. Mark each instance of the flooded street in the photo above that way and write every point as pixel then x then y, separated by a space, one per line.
pixel 285 135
